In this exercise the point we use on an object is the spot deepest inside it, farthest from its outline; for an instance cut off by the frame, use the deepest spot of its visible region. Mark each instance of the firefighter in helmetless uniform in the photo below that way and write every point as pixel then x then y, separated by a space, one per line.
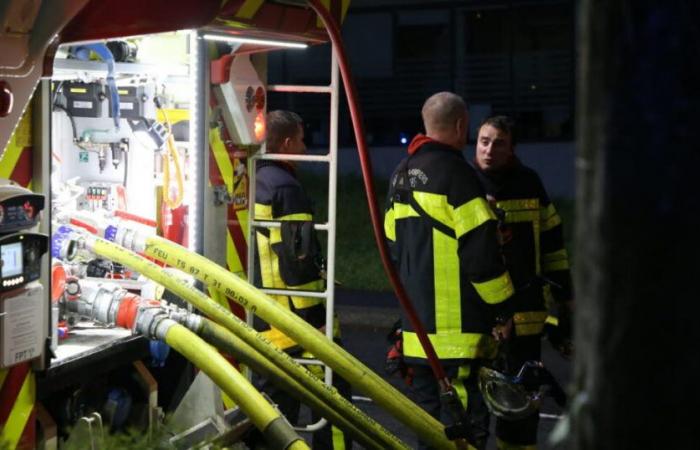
pixel 290 257
pixel 531 239
pixel 443 239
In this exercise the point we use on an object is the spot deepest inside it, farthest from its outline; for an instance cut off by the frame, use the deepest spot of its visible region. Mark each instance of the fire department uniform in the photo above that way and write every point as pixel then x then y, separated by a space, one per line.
pixel 289 257
pixel 531 238
pixel 443 238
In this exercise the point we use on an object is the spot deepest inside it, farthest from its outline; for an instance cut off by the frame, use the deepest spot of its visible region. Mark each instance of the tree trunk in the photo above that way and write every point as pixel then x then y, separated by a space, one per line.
pixel 637 269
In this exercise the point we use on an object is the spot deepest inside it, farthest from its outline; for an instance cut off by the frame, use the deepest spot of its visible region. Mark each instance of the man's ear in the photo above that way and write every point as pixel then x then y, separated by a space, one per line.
pixel 285 144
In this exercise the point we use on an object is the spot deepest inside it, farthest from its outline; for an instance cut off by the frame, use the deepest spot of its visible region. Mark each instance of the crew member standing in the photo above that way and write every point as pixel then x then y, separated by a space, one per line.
pixel 443 239
pixel 290 257
pixel 531 239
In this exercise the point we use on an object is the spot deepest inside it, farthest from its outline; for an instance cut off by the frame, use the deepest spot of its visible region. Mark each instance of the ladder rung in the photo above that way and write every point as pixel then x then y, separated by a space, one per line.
pixel 295 293
pixel 309 362
pixel 299 88
pixel 288 157
pixel 274 224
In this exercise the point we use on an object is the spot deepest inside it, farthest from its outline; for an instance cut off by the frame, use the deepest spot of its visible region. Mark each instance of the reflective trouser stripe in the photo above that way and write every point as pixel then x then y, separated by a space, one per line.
pixel 529 323
pixel 463 373
pixel 502 445
pixel 451 346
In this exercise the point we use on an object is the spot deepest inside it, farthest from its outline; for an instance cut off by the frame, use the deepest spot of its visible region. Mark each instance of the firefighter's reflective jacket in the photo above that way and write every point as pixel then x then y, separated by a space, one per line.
pixel 531 238
pixel 289 256
pixel 442 236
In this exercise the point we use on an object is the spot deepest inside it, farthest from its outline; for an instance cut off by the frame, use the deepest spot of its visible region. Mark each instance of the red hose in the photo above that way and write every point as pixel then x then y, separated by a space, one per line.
pixel 366 164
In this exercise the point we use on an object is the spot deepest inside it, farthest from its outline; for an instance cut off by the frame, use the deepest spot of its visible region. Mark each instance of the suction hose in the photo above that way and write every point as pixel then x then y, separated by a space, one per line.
pixel 278 357
pixel 108 303
pixel 216 277
pixel 227 342
pixel 277 431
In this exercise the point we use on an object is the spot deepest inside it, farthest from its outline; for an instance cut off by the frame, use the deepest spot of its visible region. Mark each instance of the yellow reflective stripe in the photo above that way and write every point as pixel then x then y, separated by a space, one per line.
pixel 297 216
pixel 448 307
pixel 452 346
pixel 220 153
pixel 268 260
pixel 555 256
pixel 233 260
pixel 462 393
pixel 554 266
pixel 338 438
pixel 249 8
pixel 3 375
pixel 472 214
pixel 519 204
pixel 263 212
pixel 522 216
pixel 21 411
pixel 279 339
pixel 390 225
pixel 547 212
pixel 436 206
pixel 503 445
pixel 218 297
pixel 242 215
pixel 404 211
pixel 495 290
pixel 549 217
pixel 558 260
pixel 275 235
pixel 552 320
pixel 21 138
pixel 529 323
pixel 529 317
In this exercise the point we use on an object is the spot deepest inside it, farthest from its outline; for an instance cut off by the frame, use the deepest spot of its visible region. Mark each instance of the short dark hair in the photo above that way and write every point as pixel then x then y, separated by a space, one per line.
pixel 280 126
pixel 504 124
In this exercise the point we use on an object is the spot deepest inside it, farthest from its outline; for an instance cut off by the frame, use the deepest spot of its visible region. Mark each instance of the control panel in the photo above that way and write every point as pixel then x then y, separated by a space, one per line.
pixel 19 209
pixel 20 261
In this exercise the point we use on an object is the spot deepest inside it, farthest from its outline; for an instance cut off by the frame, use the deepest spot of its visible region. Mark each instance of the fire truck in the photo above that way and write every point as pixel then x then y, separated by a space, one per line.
pixel 130 133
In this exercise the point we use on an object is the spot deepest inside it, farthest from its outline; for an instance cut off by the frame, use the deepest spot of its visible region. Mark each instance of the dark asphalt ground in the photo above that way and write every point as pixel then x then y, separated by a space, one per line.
pixel 367 317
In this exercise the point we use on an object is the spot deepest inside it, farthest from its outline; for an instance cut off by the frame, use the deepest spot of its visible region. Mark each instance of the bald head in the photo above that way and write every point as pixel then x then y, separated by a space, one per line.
pixel 445 119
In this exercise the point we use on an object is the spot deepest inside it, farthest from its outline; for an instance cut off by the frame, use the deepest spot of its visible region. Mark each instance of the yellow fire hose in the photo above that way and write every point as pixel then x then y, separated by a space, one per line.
pixel 427 427
pixel 262 414
pixel 227 342
pixel 278 357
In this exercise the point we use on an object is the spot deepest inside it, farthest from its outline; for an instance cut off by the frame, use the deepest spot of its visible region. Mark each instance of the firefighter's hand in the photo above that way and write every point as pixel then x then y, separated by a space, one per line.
pixel 502 331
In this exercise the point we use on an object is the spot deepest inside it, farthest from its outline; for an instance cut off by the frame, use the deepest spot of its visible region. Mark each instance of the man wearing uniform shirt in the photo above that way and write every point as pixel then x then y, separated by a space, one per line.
pixel 443 240
pixel 531 238
pixel 290 257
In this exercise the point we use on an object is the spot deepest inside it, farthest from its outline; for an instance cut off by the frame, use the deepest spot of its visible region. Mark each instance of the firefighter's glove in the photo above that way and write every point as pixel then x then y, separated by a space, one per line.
pixel 395 363
pixel 558 337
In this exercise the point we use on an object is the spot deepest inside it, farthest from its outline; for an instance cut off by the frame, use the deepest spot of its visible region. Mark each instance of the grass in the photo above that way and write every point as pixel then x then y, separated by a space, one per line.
pixel 357 259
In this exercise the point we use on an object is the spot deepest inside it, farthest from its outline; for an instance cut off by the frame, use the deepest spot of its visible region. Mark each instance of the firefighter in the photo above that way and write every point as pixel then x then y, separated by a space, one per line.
pixel 531 239
pixel 290 257
pixel 443 239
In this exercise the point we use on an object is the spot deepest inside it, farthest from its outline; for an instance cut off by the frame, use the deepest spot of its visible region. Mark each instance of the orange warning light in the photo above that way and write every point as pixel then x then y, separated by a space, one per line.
pixel 259 127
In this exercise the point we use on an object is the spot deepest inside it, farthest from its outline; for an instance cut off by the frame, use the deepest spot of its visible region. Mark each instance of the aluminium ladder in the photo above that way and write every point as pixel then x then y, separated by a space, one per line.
pixel 330 226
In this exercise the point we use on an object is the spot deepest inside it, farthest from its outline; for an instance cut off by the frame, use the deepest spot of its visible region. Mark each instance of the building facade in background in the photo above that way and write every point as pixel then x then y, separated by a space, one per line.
pixel 504 57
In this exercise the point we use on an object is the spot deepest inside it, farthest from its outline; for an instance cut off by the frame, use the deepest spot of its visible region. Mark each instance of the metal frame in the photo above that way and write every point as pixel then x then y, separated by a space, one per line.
pixel 330 227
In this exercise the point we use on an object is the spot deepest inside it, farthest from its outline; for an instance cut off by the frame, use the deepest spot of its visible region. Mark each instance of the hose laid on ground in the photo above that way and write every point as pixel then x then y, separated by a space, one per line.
pixel 277 431
pixel 427 427
pixel 278 357
pixel 227 342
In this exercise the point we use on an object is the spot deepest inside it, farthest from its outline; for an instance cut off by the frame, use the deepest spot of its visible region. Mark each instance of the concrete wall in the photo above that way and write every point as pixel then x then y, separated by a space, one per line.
pixel 553 161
